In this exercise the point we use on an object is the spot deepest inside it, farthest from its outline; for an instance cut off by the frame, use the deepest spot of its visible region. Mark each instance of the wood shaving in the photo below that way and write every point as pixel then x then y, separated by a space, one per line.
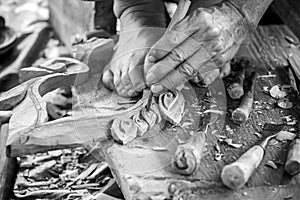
pixel 287 118
pixel 258 135
pixel 292 123
pixel 276 93
pixel 271 164
pixel 231 144
pixel 229 130
pixel 285 135
pixel 156 148
pixel 265 88
pixel 218 156
pixel 285 104
pixel 219 112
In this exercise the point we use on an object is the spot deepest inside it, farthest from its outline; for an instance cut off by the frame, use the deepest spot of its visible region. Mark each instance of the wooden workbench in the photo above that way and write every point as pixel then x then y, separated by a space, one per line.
pixel 144 173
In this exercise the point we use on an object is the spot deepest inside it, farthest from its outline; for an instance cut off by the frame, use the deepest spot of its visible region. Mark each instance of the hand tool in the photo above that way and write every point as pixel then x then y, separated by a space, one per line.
pixel 236 174
pixel 292 164
pixel 236 89
pixel 241 114
pixel 180 13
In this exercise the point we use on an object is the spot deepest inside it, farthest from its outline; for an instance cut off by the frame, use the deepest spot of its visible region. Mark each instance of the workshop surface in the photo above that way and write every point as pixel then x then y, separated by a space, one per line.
pixel 142 167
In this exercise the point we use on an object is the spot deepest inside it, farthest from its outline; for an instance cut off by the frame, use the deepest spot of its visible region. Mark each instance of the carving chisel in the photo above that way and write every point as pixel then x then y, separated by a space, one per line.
pixel 180 13
pixel 236 174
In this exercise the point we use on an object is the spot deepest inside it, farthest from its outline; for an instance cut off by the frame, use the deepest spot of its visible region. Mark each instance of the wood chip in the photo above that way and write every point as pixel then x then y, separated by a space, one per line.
pixel 276 93
pixel 285 135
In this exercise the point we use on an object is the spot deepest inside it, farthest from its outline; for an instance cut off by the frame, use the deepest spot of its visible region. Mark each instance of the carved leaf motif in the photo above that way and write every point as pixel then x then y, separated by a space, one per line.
pixel 124 130
pixel 149 116
pixel 141 124
pixel 171 106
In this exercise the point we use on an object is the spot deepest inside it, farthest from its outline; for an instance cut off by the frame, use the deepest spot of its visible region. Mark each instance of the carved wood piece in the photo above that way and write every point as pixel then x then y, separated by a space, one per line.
pixel 188 156
pixel 171 106
pixel 124 130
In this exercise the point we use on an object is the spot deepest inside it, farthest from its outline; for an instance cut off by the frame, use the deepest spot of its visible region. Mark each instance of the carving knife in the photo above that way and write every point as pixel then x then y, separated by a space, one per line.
pixel 180 13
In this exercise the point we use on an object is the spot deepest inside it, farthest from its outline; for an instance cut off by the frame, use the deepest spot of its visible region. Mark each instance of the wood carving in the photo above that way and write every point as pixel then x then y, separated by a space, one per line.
pixel 187 157
pixel 124 130
pixel 171 105
pixel 30 131
pixel 141 124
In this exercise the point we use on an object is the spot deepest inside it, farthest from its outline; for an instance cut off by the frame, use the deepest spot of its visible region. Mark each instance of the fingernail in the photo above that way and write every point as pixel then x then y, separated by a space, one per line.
pixel 130 92
pixel 150 77
pixel 151 59
pixel 156 88
pixel 221 75
pixel 140 86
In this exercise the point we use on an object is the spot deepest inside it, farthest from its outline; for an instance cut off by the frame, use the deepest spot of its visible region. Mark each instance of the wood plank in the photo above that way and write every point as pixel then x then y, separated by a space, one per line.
pixel 289 12
pixel 8 167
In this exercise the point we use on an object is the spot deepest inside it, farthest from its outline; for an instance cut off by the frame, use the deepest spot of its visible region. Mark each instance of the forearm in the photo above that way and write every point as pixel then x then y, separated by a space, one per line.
pixel 251 10
pixel 138 13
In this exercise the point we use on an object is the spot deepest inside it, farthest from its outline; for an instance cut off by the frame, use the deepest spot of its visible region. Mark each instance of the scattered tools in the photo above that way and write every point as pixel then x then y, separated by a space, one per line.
pixel 180 13
pixel 235 89
pixel 292 164
pixel 236 174
pixel 241 114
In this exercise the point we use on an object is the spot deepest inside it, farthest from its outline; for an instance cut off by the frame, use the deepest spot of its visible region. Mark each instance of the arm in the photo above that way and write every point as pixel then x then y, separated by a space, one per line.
pixel 204 41
pixel 251 10
pixel 138 13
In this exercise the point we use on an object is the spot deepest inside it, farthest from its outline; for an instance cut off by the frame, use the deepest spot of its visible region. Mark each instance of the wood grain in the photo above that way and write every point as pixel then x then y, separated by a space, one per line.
pixel 8 167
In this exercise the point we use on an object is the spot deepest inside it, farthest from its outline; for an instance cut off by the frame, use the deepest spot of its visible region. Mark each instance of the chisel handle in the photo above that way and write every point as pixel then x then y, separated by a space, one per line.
pixel 292 164
pixel 236 174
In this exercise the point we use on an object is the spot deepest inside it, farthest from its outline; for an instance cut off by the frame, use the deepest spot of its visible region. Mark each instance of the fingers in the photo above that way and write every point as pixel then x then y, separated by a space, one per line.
pixel 163 46
pixel 211 76
pixel 225 71
pixel 202 40
pixel 108 79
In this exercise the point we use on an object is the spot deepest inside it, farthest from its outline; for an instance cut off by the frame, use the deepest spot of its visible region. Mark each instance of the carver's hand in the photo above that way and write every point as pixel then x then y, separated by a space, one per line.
pixel 199 45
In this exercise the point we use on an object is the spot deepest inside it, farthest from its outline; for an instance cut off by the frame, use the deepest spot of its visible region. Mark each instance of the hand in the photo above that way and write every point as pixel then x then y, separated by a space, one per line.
pixel 201 44
pixel 125 73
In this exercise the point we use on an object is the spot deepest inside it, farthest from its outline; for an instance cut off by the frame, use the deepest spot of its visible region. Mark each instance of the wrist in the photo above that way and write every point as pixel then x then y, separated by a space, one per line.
pixel 140 13
pixel 251 11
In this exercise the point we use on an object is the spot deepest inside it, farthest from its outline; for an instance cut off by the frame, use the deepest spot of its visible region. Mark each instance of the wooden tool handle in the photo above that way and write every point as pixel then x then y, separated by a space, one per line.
pixel 241 114
pixel 292 165
pixel 235 89
pixel 236 174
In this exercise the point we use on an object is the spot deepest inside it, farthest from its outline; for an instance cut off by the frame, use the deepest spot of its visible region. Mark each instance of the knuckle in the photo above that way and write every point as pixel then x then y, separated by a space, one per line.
pixel 187 70
pixel 177 55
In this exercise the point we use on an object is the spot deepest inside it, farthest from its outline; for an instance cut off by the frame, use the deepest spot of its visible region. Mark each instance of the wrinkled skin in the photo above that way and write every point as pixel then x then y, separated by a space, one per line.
pixel 201 44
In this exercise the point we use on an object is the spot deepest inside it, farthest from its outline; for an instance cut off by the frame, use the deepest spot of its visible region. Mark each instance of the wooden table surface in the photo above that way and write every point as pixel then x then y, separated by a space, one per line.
pixel 144 173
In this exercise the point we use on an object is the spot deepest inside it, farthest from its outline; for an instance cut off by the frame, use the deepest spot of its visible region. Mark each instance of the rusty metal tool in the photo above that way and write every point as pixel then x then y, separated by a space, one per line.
pixel 180 13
